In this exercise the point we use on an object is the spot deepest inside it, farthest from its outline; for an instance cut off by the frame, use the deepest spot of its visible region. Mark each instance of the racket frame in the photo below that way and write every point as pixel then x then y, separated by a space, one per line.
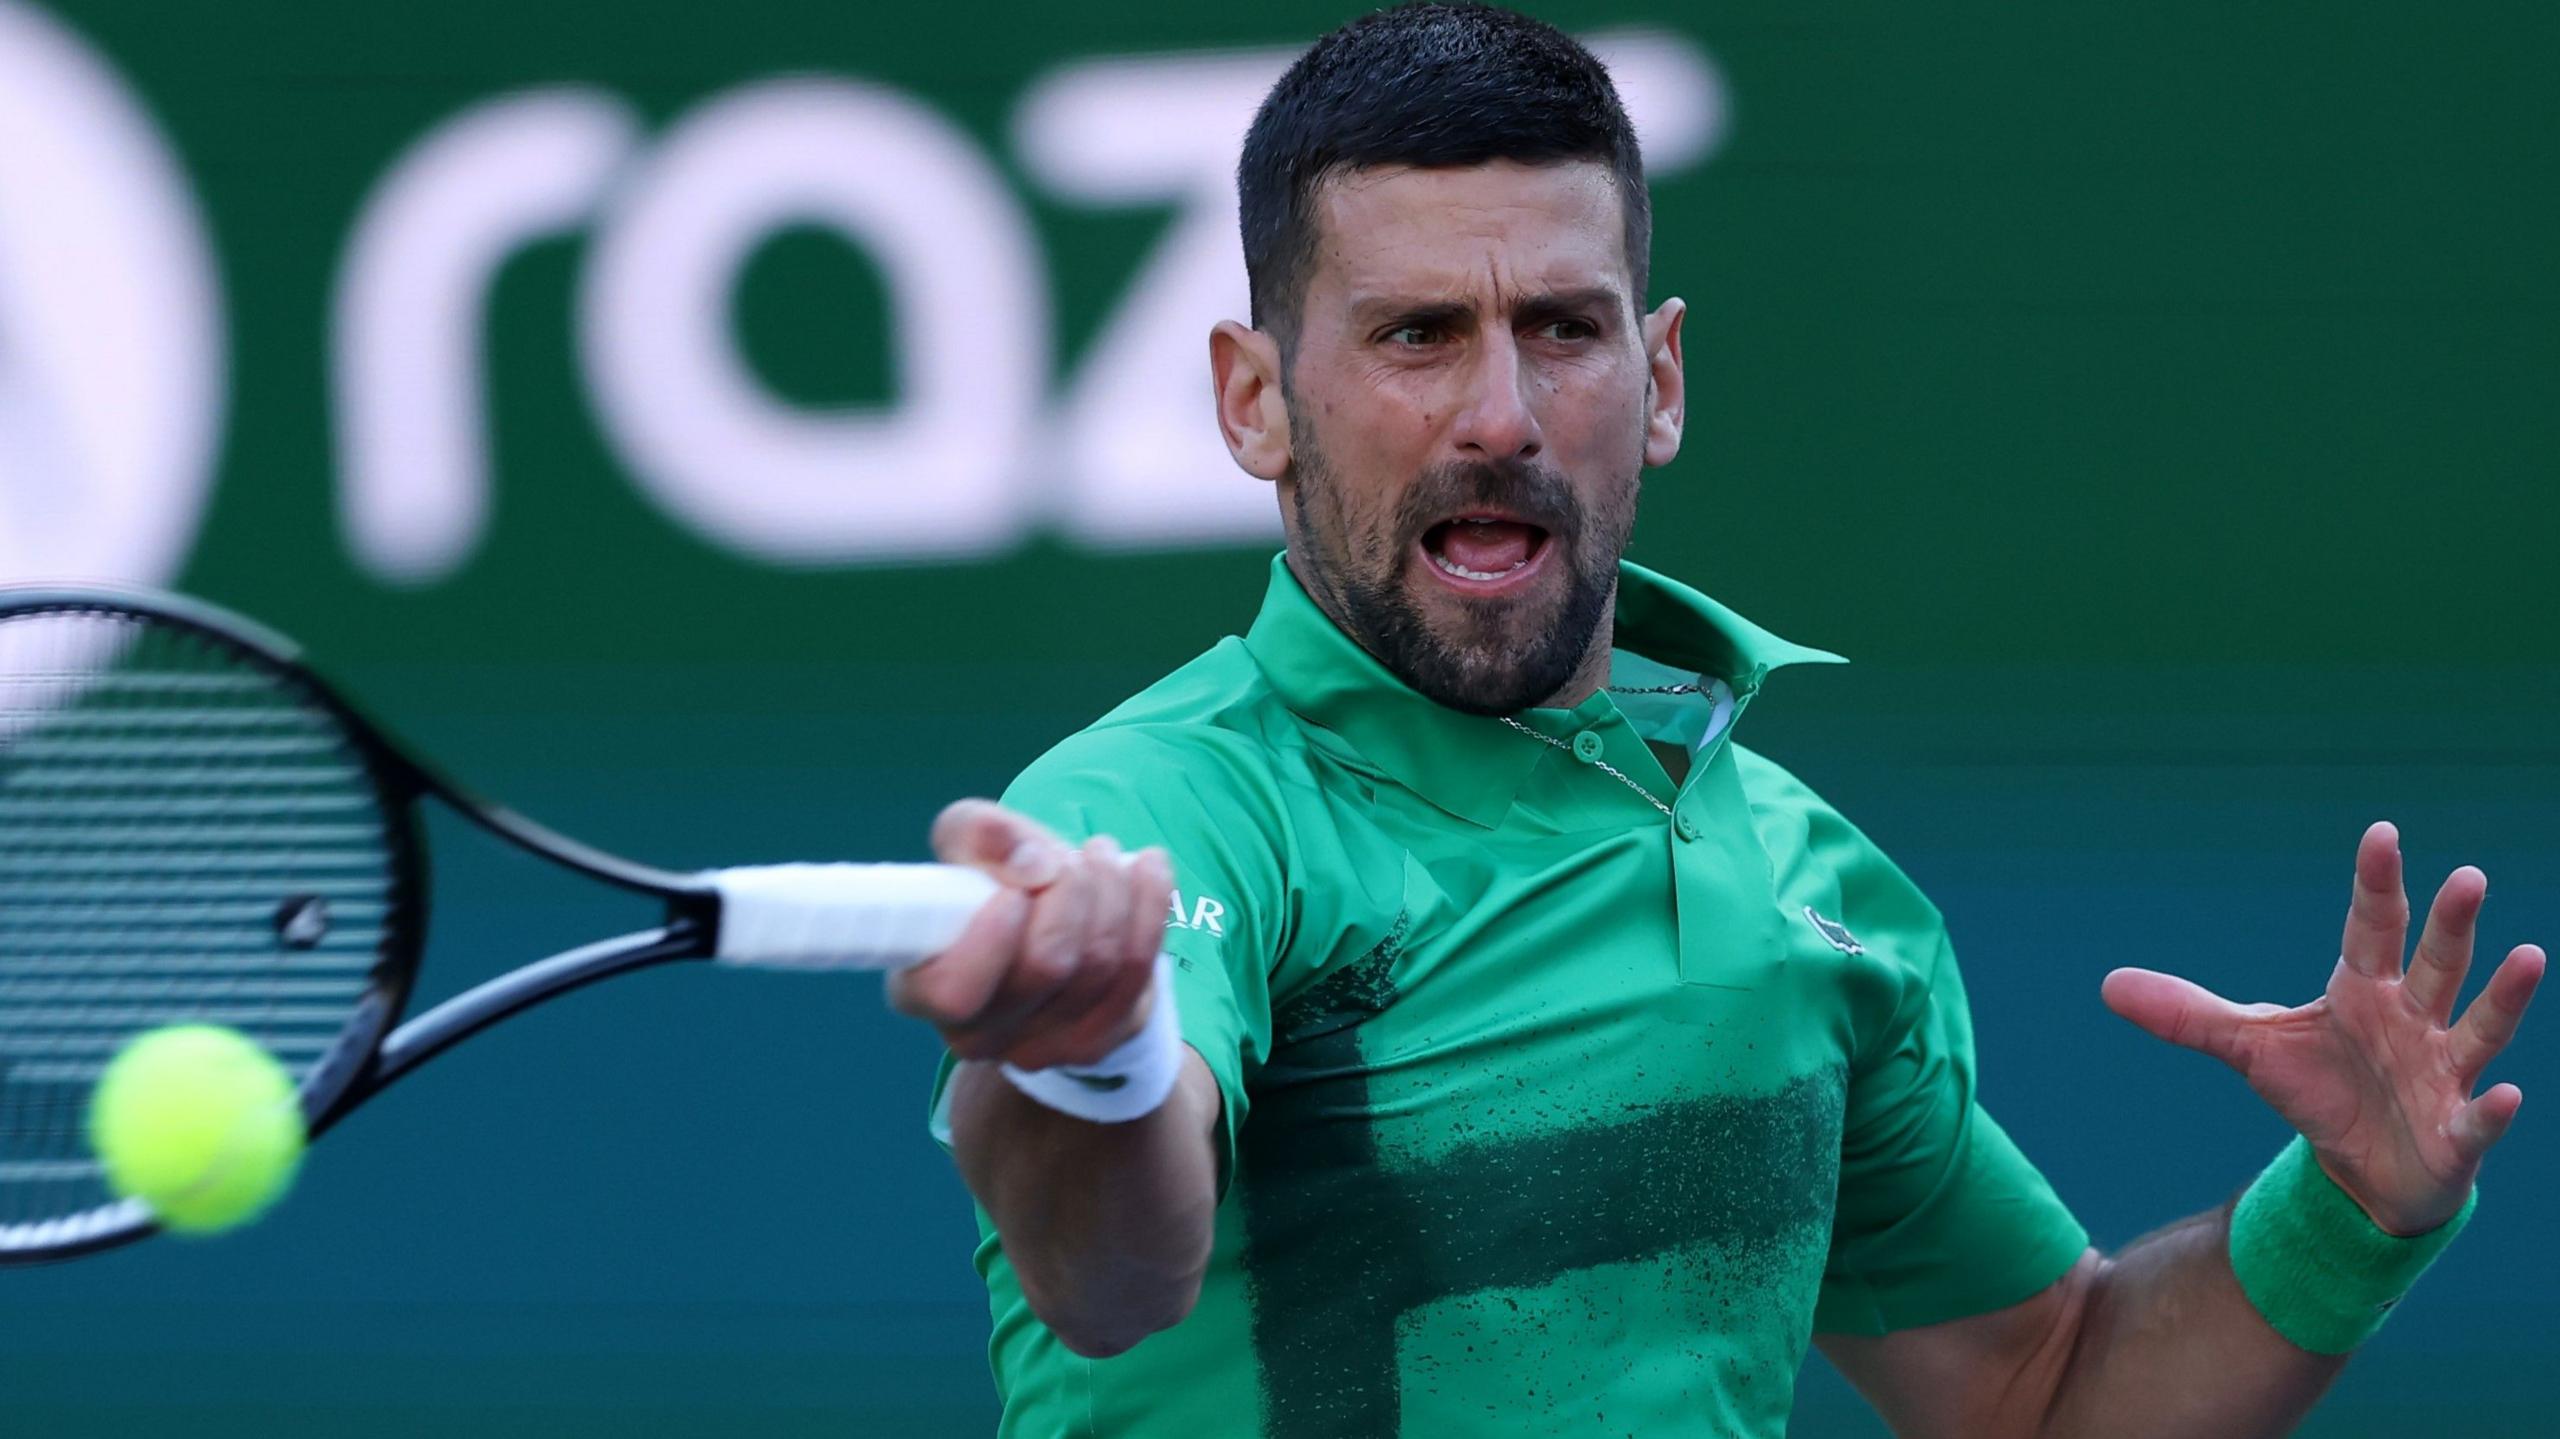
pixel 377 1047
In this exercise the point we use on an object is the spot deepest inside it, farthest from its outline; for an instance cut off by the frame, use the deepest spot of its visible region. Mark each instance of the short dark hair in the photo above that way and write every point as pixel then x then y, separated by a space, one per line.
pixel 1433 86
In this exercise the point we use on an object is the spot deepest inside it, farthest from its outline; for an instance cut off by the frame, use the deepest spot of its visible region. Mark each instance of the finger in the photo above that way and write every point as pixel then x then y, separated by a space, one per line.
pixel 1065 1025
pixel 2444 947
pixel 2378 913
pixel 1082 949
pixel 2492 1018
pixel 2483 1122
pixel 1011 1012
pixel 954 987
pixel 1041 965
pixel 1054 939
pixel 1118 1012
pixel 2184 1013
pixel 1107 925
pixel 1094 1011
pixel 1151 883
pixel 1009 848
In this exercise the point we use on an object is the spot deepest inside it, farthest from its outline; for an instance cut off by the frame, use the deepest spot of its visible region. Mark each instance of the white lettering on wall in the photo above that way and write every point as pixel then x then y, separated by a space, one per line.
pixel 1140 460
pixel 412 431
pixel 973 452
pixel 937 472
pixel 1674 94
pixel 111 328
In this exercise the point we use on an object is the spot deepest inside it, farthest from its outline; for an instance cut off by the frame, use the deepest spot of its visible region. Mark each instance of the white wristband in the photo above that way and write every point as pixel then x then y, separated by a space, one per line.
pixel 1128 1083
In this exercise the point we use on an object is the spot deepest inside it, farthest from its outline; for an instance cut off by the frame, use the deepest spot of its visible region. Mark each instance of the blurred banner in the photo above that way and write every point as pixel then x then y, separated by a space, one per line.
pixel 730 431
pixel 812 314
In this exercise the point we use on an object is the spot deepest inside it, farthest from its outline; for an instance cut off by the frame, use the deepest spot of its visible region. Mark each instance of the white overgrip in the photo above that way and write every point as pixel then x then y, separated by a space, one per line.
pixel 843 916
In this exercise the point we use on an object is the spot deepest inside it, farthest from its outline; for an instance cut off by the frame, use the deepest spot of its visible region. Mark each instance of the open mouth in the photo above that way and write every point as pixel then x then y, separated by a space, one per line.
pixel 1484 552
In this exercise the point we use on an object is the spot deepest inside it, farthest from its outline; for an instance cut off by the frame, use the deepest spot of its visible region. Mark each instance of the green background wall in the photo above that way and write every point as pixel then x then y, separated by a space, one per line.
pixel 2157 404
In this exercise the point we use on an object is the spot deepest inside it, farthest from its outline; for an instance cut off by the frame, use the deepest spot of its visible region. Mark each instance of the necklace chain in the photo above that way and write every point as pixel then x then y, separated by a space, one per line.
pixel 1621 776
pixel 1683 688
pixel 1601 764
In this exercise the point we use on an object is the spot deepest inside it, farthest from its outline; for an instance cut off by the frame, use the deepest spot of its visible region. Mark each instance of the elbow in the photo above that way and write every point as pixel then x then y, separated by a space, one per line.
pixel 1108 1335
pixel 1099 1321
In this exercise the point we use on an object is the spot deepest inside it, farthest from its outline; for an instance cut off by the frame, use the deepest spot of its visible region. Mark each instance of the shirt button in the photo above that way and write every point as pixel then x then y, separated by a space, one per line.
pixel 1587 747
pixel 1687 827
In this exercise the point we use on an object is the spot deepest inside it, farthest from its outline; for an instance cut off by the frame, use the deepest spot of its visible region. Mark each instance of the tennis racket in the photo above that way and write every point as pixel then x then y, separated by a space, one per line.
pixel 196 828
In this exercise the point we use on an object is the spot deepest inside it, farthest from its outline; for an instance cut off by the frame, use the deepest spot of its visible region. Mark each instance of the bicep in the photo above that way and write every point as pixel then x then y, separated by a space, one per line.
pixel 1985 1376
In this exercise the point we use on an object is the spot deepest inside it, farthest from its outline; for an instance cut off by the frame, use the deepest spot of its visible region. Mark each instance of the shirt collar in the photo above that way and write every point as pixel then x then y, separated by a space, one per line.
pixel 1470 765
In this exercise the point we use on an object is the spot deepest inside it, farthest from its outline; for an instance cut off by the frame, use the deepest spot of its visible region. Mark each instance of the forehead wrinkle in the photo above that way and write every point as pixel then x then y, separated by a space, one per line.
pixel 1556 226
pixel 1462 301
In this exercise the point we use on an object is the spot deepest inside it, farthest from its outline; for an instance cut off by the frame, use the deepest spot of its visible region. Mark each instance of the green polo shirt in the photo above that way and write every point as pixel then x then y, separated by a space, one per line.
pixel 1547 1113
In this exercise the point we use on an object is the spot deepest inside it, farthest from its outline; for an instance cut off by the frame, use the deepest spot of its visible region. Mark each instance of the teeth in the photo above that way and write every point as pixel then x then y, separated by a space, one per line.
pixel 1462 572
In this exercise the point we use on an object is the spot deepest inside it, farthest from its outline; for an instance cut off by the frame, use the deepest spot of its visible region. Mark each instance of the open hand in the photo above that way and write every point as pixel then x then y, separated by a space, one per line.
pixel 2376 1072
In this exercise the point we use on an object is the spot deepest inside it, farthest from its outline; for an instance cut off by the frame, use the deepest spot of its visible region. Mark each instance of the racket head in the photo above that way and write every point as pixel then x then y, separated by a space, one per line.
pixel 194 828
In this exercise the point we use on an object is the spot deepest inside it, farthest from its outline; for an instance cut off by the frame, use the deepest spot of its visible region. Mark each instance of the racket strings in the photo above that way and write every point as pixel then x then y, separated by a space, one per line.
pixel 186 836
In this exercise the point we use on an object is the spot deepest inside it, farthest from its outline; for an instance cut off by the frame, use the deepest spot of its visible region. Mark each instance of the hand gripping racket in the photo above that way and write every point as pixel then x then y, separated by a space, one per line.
pixel 195 828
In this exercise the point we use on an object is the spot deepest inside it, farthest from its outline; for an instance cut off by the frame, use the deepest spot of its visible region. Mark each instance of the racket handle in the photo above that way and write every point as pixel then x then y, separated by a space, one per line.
pixel 842 916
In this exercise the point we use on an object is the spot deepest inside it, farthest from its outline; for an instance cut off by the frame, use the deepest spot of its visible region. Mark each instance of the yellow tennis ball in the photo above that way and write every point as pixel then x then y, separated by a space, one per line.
pixel 199 1123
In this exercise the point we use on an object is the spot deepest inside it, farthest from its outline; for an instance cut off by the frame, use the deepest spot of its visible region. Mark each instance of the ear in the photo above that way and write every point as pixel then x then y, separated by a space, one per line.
pixel 1668 396
pixel 1244 365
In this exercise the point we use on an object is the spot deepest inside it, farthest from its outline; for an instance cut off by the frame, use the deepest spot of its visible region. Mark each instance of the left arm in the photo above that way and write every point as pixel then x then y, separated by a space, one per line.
pixel 2160 1341
pixel 2154 1341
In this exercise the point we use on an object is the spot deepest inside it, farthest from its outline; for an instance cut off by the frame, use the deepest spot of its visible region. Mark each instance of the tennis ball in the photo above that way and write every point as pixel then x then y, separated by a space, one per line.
pixel 199 1123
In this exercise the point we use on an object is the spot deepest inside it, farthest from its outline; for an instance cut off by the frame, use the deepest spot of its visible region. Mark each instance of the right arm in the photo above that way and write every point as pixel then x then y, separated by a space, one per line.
pixel 1107 1226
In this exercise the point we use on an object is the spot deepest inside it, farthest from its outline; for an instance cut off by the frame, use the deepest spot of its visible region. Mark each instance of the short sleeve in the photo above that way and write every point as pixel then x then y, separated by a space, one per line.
pixel 1204 803
pixel 1940 1216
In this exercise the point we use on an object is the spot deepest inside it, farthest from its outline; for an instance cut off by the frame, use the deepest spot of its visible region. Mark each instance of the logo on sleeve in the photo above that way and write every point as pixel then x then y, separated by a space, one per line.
pixel 1205 913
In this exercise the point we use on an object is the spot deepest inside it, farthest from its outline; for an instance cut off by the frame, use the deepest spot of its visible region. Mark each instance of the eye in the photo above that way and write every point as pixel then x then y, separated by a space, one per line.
pixel 1411 336
pixel 1570 331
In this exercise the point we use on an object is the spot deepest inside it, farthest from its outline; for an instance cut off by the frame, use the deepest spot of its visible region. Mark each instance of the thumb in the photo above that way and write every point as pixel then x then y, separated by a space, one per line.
pixel 2185 1014
pixel 1012 849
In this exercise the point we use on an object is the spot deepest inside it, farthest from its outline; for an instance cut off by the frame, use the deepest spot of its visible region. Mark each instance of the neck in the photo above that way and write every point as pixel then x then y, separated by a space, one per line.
pixel 1311 579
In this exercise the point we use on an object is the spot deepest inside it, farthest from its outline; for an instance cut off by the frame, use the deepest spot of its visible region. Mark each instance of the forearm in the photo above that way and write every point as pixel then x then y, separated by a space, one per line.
pixel 2163 1343
pixel 1107 1226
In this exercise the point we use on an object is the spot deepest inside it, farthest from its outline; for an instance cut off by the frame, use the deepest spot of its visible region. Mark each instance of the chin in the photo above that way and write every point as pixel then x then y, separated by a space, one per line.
pixel 1486 649
pixel 1468 669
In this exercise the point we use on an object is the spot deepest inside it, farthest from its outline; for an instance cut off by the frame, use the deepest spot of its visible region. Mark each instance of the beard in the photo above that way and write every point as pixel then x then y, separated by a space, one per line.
pixel 1485 656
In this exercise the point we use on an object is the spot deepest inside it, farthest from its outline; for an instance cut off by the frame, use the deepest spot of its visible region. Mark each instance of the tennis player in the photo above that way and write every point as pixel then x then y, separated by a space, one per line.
pixel 1531 1058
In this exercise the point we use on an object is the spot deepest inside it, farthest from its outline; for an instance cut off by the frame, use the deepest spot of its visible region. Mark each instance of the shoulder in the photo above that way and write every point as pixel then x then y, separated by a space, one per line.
pixel 1787 809
pixel 1206 762
pixel 1768 784
pixel 1210 733
pixel 1803 831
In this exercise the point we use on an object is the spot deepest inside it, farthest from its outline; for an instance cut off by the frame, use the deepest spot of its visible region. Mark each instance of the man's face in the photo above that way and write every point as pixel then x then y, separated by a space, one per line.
pixel 1468 419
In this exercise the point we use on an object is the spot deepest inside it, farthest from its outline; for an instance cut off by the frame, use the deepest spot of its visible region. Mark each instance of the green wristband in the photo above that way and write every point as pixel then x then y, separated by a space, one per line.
pixel 2319 1270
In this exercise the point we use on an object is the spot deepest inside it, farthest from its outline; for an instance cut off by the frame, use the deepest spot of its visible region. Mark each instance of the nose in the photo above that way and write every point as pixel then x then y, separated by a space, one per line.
pixel 1495 419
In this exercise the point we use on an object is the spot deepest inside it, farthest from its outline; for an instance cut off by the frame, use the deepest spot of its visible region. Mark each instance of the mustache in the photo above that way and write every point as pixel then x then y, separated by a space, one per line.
pixel 1520 488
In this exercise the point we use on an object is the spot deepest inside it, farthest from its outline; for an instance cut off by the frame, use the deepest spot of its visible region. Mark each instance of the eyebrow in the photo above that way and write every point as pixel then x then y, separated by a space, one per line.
pixel 1603 300
pixel 1548 305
